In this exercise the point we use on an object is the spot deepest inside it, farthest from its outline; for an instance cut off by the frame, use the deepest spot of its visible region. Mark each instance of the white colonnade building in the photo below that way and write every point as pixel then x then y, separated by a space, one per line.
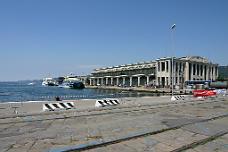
pixel 156 73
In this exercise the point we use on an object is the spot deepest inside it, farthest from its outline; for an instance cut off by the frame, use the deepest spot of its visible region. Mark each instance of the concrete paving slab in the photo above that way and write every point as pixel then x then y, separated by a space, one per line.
pixel 179 121
pixel 178 138
pixel 218 145
pixel 208 128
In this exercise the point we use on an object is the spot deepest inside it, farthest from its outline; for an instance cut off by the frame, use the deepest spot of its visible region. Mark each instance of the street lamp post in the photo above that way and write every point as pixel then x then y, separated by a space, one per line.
pixel 172 30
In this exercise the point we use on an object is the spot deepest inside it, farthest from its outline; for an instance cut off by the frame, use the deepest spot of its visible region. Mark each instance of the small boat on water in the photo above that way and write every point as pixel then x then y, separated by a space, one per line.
pixel 49 82
pixel 31 83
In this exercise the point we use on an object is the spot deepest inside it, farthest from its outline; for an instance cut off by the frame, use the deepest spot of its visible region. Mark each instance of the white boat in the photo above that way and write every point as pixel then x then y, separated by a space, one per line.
pixel 72 82
pixel 49 82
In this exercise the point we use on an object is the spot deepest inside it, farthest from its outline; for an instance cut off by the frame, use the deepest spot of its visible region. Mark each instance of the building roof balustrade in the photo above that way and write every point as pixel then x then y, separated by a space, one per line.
pixel 108 76
pixel 137 75
pixel 118 76
pixel 93 77
pixel 125 67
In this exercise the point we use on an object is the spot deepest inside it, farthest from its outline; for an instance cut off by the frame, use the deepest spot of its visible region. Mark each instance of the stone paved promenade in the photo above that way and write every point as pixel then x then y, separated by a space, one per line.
pixel 141 124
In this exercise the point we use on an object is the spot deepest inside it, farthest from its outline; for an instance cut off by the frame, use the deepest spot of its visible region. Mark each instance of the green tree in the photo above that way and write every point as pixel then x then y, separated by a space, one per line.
pixel 220 78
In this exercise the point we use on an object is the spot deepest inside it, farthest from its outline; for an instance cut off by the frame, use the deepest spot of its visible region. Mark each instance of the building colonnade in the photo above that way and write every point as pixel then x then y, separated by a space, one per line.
pixel 123 80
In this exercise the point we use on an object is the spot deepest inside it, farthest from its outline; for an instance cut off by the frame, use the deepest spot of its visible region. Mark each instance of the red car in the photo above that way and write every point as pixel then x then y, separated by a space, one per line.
pixel 204 93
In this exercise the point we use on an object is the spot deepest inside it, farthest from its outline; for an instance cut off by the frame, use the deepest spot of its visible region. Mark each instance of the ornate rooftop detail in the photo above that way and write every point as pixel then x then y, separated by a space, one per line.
pixel 195 58
pixel 126 67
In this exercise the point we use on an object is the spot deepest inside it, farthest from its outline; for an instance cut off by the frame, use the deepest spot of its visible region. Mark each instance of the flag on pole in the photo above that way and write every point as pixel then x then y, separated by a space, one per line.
pixel 173 26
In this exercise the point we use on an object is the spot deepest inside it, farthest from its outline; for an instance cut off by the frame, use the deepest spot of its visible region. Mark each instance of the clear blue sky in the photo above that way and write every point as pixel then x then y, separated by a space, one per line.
pixel 40 38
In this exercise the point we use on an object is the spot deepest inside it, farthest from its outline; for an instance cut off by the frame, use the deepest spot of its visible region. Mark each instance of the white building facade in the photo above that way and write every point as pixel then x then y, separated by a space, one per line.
pixel 156 73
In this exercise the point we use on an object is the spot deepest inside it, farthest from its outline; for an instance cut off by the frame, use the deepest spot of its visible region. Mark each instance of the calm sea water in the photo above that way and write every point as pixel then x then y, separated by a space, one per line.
pixel 22 91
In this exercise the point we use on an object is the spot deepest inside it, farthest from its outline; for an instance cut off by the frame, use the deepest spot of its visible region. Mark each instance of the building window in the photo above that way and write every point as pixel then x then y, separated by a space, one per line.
pixel 167 66
pixel 194 69
pixel 176 67
pixel 198 69
pixel 163 66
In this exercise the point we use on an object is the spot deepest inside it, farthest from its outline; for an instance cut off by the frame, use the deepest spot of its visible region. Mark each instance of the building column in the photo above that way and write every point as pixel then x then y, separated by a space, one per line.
pixel 98 80
pixel 191 71
pixel 102 81
pixel 138 81
pixel 203 72
pixel 123 80
pixel 165 82
pixel 157 83
pixel 214 74
pixel 93 81
pixel 182 74
pixel 130 81
pixel 90 81
pixel 117 81
pixel 106 81
pixel 186 71
pixel 174 74
pixel 210 72
pixel 178 74
pixel 165 66
pixel 111 81
pixel 197 69
pixel 147 80
pixel 170 72
pixel 207 73
pixel 159 66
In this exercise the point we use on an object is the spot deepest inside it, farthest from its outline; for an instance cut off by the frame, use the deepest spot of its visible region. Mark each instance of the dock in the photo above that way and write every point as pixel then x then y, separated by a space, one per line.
pixel 137 124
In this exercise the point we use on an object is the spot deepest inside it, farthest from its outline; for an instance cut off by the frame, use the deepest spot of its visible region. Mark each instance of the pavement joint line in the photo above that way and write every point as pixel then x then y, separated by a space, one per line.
pixel 200 142
pixel 107 111
pixel 108 108
pixel 97 144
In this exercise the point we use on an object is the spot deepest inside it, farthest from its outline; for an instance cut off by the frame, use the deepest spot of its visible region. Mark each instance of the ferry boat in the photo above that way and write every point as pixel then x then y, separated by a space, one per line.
pixel 72 82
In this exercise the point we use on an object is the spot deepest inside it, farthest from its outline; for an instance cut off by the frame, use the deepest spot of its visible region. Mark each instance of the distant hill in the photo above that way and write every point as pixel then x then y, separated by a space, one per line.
pixel 223 71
